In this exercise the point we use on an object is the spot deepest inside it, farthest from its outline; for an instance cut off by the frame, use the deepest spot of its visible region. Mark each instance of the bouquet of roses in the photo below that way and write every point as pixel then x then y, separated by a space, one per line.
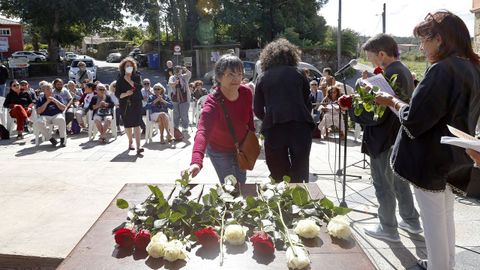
pixel 364 99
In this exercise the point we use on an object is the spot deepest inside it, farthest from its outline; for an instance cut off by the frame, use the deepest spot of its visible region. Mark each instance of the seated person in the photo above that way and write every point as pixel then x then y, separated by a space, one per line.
pixel 20 105
pixel 198 90
pixel 102 106
pixel 158 105
pixel 75 92
pixel 59 89
pixel 112 88
pixel 25 87
pixel 316 97
pixel 50 109
pixel 84 103
pixel 331 112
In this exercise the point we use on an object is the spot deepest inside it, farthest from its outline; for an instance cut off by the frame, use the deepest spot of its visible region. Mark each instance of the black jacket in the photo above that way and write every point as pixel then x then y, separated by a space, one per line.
pixel 3 74
pixel 123 86
pixel 12 98
pixel 282 95
pixel 448 95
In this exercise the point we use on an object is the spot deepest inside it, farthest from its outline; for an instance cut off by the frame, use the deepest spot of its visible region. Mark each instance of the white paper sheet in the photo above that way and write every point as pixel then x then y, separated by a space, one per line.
pixel 463 139
pixel 379 80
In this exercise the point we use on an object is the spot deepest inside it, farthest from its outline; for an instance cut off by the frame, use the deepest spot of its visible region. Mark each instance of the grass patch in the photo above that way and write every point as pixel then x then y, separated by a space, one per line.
pixel 418 67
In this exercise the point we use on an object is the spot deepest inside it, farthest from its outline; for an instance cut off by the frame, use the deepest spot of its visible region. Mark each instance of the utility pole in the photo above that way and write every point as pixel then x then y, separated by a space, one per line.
pixel 384 17
pixel 339 35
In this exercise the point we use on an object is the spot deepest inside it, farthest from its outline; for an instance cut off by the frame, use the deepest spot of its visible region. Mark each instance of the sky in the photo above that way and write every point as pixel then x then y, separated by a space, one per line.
pixel 364 16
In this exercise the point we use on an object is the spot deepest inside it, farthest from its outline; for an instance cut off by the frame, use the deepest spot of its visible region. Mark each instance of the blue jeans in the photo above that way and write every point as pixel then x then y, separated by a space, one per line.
pixel 225 164
pixel 180 112
pixel 387 188
pixel 3 87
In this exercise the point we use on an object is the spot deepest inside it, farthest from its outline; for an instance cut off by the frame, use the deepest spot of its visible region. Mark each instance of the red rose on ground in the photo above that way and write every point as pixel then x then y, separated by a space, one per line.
pixel 207 237
pixel 142 239
pixel 125 238
pixel 378 70
pixel 345 101
pixel 262 242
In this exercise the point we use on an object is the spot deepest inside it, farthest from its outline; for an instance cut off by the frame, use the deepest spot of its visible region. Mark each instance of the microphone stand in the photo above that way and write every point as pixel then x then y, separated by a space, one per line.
pixel 343 203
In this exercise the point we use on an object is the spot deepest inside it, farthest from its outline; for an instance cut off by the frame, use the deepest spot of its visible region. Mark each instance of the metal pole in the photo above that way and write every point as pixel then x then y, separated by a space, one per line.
pixel 384 17
pixel 339 35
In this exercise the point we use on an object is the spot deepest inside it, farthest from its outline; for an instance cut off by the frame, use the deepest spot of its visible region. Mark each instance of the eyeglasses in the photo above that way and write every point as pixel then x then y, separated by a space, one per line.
pixel 103 90
pixel 146 83
pixel 15 85
pixel 314 84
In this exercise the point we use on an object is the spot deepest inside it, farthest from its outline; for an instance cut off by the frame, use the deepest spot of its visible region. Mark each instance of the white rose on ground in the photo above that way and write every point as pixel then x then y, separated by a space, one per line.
pixel 235 234
pixel 307 228
pixel 339 227
pixel 299 259
pixel 230 180
pixel 268 194
pixel 156 247
pixel 174 250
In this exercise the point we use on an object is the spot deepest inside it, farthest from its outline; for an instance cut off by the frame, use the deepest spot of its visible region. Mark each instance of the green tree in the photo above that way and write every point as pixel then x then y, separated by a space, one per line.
pixel 66 21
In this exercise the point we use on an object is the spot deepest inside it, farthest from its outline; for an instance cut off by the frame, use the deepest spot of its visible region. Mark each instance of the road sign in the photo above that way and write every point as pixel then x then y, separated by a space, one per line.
pixel 3 44
pixel 177 48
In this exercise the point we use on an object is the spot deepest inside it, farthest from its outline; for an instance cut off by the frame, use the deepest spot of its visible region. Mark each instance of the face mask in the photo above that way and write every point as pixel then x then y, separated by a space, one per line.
pixel 129 70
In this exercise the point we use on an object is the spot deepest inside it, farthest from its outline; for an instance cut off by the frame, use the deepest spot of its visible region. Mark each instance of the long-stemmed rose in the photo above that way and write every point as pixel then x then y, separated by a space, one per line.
pixel 339 227
pixel 142 239
pixel 297 257
pixel 156 247
pixel 174 250
pixel 125 237
pixel 307 228
pixel 235 234
pixel 207 237
pixel 262 243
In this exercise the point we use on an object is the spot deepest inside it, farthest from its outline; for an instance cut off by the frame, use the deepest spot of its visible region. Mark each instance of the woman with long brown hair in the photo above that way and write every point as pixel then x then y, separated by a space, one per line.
pixel 449 94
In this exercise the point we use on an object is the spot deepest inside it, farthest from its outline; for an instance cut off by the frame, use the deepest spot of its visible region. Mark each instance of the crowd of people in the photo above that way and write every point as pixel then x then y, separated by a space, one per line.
pixel 403 144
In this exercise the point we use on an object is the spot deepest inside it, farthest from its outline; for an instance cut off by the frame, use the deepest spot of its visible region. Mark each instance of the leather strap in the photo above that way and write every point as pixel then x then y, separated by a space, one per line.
pixel 219 98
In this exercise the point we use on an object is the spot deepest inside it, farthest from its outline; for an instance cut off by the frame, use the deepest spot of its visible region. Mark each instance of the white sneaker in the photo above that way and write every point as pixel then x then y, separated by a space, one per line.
pixel 376 231
pixel 410 228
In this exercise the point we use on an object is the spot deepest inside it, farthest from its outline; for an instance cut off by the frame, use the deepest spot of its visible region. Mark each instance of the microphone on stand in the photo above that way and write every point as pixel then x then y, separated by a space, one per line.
pixel 350 64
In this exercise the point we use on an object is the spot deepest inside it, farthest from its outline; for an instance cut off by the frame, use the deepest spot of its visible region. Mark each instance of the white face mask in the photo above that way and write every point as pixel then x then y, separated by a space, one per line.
pixel 129 70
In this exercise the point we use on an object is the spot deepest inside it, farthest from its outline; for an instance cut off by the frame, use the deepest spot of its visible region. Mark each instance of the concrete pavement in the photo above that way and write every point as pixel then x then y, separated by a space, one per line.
pixel 50 197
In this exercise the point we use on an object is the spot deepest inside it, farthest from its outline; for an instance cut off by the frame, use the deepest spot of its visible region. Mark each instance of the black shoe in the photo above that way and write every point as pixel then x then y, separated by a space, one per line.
pixel 20 136
pixel 143 131
pixel 63 143
pixel 26 128
pixel 422 263
pixel 53 141
pixel 140 150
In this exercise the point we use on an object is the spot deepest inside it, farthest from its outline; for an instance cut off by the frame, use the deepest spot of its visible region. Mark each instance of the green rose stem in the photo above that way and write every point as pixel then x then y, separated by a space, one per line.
pixel 310 197
pixel 222 231
pixel 286 229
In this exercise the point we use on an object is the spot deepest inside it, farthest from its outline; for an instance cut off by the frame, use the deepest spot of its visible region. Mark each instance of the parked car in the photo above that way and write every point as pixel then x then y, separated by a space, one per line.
pixel 317 74
pixel 114 57
pixel 70 56
pixel 89 62
pixel 134 52
pixel 32 57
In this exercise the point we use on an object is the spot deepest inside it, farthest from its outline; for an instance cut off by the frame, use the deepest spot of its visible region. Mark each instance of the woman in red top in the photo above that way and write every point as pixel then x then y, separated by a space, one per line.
pixel 20 105
pixel 213 134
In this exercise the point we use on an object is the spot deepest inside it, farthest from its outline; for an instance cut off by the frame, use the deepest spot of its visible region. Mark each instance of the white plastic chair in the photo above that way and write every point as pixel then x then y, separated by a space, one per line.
pixel 151 125
pixel 34 118
pixel 92 128
pixel 198 108
pixel 3 112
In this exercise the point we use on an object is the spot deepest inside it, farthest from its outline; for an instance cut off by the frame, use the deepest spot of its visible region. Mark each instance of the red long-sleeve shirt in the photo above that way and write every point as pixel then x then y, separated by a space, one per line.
pixel 212 127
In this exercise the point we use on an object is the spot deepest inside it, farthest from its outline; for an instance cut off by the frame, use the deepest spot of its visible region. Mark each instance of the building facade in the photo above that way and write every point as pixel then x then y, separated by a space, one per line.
pixel 11 37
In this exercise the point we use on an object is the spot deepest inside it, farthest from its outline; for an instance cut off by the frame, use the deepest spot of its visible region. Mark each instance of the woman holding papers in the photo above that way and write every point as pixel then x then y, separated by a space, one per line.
pixel 448 95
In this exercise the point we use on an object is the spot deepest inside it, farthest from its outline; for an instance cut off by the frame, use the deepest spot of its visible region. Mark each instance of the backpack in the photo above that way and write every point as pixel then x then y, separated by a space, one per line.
pixel 4 134
pixel 75 129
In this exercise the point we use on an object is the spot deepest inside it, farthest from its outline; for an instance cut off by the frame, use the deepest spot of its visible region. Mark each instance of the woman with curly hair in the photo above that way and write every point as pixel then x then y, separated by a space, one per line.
pixel 282 103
